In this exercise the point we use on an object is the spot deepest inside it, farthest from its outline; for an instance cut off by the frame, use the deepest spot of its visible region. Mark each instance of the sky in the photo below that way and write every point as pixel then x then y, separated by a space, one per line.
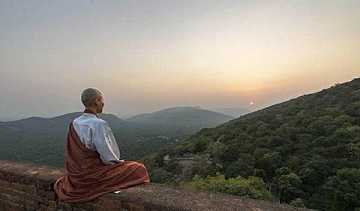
pixel 149 55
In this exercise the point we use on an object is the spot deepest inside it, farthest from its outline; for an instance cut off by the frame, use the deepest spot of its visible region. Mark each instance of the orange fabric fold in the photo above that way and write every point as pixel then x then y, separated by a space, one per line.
pixel 87 177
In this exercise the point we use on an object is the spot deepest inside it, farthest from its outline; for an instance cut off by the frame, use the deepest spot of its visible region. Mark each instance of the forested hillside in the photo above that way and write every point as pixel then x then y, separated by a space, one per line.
pixel 305 151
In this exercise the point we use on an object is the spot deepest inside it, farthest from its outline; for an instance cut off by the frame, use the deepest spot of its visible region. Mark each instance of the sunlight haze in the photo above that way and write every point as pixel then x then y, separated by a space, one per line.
pixel 148 55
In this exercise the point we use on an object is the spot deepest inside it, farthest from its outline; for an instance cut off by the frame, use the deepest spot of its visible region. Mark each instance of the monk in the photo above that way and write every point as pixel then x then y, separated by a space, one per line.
pixel 92 157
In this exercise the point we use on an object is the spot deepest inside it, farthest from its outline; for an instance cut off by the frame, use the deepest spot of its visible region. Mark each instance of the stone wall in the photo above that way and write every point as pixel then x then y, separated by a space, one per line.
pixel 25 186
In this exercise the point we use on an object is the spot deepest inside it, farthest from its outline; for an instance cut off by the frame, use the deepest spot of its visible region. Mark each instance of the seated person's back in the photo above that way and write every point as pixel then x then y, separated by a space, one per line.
pixel 97 135
pixel 92 157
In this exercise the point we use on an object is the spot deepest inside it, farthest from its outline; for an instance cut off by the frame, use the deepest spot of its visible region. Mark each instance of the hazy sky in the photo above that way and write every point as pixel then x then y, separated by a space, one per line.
pixel 148 55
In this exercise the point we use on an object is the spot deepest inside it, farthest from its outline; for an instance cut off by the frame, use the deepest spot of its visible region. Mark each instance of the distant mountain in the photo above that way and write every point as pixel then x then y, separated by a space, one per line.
pixel 42 140
pixel 186 119
pixel 307 150
pixel 38 124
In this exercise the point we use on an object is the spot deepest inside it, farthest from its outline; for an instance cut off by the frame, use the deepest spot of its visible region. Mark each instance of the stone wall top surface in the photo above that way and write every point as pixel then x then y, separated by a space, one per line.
pixel 150 196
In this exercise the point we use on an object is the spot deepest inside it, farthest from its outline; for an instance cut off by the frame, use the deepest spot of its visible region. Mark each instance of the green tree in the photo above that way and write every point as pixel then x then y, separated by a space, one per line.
pixel 239 168
pixel 343 190
pixel 290 187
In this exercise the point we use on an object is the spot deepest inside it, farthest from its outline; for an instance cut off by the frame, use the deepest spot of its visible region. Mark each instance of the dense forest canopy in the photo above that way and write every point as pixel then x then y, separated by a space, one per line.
pixel 306 150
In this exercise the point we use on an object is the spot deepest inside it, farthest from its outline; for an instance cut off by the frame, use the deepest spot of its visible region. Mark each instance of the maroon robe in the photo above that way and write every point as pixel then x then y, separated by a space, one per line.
pixel 87 177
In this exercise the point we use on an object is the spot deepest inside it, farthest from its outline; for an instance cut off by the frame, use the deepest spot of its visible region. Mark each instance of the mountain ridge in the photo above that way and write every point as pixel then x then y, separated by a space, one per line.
pixel 42 139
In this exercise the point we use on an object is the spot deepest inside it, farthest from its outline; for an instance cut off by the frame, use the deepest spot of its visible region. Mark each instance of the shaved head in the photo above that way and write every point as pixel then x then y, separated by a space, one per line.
pixel 89 95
